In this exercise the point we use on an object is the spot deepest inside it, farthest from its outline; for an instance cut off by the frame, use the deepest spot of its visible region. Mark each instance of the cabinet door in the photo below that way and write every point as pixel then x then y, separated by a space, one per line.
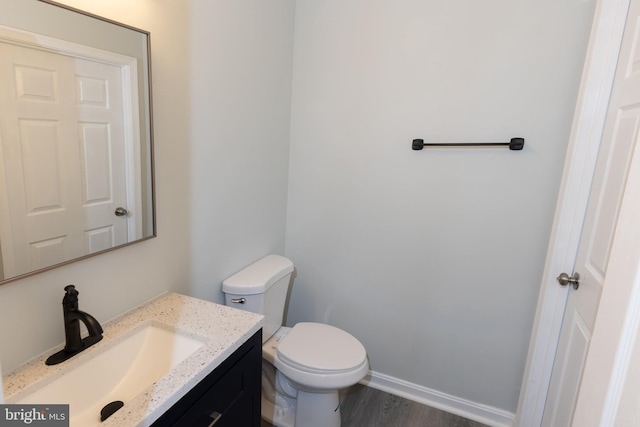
pixel 231 401
pixel 230 394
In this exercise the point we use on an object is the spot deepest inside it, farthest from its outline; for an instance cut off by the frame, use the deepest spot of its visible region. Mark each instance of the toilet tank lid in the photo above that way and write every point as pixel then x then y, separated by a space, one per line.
pixel 259 276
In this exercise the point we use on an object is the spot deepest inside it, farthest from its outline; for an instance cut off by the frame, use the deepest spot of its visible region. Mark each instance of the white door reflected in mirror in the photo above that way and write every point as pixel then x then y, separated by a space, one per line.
pixel 67 141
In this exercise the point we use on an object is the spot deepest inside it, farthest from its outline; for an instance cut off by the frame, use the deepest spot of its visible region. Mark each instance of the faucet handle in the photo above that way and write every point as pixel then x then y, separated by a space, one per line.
pixel 70 299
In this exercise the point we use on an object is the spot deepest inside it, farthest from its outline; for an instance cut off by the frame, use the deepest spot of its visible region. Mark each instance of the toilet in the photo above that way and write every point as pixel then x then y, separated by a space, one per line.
pixel 303 366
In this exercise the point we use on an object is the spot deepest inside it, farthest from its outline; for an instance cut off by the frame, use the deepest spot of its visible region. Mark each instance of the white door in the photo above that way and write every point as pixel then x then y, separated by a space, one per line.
pixel 61 124
pixel 621 131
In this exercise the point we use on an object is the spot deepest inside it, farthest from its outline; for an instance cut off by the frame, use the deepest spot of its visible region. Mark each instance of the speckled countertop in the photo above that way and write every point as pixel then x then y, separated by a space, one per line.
pixel 223 329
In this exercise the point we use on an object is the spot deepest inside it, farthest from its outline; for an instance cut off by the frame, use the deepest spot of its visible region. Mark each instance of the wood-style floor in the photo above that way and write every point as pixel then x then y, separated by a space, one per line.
pixel 367 407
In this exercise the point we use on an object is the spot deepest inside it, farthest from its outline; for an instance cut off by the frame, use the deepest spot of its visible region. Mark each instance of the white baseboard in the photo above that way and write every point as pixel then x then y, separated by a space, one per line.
pixel 474 411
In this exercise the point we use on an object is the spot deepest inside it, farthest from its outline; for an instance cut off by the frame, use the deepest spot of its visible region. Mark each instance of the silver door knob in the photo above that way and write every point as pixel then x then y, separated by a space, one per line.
pixel 565 280
pixel 121 212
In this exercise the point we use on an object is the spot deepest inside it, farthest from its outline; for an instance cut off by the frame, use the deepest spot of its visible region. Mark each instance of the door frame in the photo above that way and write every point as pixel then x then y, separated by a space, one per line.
pixel 589 118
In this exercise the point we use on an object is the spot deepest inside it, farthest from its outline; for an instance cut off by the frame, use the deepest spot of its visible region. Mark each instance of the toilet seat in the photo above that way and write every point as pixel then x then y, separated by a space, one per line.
pixel 321 356
pixel 316 347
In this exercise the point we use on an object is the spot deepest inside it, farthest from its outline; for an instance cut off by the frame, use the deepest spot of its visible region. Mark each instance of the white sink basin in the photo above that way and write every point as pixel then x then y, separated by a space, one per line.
pixel 119 371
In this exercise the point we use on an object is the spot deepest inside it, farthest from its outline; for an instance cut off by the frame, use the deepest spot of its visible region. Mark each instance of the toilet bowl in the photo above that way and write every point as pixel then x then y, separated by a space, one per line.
pixel 304 366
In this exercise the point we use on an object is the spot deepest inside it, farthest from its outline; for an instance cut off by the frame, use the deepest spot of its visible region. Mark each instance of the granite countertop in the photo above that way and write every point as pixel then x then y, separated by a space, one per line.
pixel 223 330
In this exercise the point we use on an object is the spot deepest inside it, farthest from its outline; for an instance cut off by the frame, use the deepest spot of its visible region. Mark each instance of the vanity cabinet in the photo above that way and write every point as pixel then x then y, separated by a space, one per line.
pixel 227 397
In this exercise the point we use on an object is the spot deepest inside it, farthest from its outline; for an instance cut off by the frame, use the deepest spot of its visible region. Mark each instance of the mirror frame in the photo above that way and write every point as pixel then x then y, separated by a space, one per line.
pixel 150 140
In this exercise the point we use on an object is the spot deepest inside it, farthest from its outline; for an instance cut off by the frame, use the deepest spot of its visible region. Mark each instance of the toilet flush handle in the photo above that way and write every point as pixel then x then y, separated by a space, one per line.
pixel 238 300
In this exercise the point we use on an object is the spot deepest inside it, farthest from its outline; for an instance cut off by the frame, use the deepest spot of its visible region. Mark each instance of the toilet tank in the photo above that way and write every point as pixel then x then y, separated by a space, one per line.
pixel 261 288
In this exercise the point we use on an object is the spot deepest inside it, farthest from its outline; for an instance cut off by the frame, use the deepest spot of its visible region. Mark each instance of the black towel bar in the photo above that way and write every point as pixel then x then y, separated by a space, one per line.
pixel 514 144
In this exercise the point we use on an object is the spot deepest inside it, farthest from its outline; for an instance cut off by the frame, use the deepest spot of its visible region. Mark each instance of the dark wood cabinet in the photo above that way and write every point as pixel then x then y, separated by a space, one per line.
pixel 230 394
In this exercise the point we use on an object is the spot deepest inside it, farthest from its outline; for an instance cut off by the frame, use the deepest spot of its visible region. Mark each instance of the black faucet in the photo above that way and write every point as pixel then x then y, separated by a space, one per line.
pixel 72 318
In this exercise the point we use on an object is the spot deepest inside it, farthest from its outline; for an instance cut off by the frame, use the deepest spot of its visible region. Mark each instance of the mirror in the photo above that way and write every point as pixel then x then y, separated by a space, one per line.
pixel 76 152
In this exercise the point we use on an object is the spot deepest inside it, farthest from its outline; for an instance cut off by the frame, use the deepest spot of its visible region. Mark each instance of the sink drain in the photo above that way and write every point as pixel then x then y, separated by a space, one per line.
pixel 110 408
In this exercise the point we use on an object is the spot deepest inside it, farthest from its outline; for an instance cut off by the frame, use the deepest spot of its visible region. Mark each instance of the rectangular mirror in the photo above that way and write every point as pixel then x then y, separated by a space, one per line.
pixel 76 150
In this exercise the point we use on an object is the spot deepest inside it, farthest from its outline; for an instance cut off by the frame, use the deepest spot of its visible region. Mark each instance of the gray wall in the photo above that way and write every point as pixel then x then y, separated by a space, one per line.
pixel 433 259
pixel 240 114
pixel 218 72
